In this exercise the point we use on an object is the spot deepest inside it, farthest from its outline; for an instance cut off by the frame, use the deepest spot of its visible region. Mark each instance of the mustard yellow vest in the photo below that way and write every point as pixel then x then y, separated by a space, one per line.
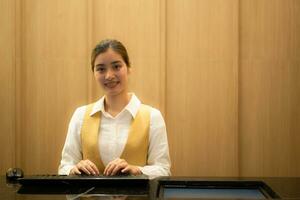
pixel 136 148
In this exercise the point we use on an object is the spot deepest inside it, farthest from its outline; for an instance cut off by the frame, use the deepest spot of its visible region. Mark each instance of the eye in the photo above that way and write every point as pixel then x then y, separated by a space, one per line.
pixel 100 69
pixel 117 66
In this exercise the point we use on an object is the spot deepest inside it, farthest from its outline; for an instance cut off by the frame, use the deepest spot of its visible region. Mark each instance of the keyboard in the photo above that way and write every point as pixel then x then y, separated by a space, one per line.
pixel 85 180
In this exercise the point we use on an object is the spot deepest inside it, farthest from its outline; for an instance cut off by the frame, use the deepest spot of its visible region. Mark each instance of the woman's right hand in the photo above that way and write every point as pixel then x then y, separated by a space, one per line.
pixel 85 166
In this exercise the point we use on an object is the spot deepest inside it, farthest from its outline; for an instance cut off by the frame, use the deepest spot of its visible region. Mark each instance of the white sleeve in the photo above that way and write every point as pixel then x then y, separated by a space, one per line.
pixel 158 163
pixel 71 153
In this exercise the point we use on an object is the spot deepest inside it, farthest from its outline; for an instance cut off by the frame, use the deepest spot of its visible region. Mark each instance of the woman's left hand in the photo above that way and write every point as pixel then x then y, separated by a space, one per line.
pixel 120 165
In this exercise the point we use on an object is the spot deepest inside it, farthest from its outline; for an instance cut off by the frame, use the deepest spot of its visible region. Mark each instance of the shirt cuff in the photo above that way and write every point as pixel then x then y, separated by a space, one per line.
pixel 65 170
pixel 153 171
pixel 141 169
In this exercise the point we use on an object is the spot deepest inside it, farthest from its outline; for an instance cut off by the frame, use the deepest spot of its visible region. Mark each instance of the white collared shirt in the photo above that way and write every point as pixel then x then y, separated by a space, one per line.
pixel 113 138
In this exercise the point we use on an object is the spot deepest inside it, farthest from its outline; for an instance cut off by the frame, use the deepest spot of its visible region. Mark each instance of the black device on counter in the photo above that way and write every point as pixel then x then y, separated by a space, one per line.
pixel 141 187
pixel 76 184
pixel 168 188
pixel 13 174
pixel 79 180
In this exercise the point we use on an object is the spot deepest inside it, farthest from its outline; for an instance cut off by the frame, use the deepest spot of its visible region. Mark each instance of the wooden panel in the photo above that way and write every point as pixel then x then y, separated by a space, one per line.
pixel 54 72
pixel 201 95
pixel 270 88
pixel 185 56
pixel 140 26
pixel 7 82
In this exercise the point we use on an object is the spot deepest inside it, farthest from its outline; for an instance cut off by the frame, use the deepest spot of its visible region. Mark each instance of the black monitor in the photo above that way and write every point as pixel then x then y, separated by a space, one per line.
pixel 233 189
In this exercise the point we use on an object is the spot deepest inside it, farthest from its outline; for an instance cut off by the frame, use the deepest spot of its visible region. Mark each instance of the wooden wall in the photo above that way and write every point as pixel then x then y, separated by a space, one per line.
pixel 202 86
pixel 225 74
pixel 269 92
pixel 7 82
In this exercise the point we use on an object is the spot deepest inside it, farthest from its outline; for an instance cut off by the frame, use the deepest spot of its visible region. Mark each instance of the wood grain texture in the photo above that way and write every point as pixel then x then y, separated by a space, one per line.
pixel 269 88
pixel 7 82
pixel 54 78
pixel 225 74
pixel 138 25
pixel 202 87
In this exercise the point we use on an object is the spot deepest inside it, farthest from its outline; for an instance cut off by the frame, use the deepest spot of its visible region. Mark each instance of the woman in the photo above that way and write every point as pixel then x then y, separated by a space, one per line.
pixel 117 134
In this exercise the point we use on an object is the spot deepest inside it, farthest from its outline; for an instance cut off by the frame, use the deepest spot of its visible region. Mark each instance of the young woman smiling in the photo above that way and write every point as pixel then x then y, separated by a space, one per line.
pixel 117 134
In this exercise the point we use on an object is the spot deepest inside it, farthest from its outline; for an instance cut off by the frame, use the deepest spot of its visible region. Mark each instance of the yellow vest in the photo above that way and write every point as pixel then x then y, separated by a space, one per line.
pixel 136 148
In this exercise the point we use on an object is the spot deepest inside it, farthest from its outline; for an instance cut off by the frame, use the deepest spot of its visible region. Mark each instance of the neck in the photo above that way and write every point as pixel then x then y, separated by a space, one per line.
pixel 116 103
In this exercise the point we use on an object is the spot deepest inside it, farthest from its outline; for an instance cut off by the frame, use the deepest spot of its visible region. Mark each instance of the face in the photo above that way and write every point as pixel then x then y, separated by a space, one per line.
pixel 111 72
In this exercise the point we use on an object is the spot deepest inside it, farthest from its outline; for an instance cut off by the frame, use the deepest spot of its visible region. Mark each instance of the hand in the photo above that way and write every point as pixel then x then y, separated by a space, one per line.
pixel 85 166
pixel 120 165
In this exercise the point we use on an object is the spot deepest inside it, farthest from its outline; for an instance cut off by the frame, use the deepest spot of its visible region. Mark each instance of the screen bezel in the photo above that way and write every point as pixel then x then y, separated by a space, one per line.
pixel 215 184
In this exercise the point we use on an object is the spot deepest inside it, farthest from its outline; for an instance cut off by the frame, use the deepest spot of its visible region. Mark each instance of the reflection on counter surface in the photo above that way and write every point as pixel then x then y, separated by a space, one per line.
pixel 161 188
pixel 213 193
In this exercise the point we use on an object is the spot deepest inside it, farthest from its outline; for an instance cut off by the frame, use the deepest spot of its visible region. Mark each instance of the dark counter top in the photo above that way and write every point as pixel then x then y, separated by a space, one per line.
pixel 285 188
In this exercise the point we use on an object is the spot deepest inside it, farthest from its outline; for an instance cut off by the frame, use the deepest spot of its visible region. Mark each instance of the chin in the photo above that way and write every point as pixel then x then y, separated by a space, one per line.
pixel 113 92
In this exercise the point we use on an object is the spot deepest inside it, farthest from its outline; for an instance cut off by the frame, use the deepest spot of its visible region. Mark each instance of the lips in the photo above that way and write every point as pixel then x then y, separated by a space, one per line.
pixel 111 84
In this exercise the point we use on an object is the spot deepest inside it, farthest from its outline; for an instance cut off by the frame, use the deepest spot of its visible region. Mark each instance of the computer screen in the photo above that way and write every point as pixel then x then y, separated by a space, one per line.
pixel 213 193
pixel 213 189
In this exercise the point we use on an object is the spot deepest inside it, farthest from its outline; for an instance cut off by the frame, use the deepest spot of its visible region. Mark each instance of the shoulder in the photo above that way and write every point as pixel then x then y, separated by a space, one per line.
pixel 156 118
pixel 155 113
pixel 78 115
pixel 80 111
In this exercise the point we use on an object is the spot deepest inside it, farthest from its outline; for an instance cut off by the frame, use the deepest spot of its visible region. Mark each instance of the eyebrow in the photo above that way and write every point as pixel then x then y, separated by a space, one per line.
pixel 114 62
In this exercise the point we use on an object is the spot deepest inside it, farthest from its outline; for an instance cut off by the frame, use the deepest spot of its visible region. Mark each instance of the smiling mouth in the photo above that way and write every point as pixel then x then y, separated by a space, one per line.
pixel 111 84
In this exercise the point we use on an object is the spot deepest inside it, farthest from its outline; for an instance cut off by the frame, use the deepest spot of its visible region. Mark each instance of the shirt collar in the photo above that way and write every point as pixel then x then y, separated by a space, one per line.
pixel 132 107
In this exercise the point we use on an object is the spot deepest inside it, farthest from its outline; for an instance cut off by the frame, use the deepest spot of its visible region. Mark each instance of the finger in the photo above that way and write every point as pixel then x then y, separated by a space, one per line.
pixel 76 171
pixel 72 171
pixel 106 168
pixel 118 168
pixel 85 170
pixel 110 166
pixel 87 165
pixel 82 168
pixel 94 167
pixel 124 165
pixel 90 169
pixel 110 169
pixel 113 169
pixel 119 165
pixel 126 169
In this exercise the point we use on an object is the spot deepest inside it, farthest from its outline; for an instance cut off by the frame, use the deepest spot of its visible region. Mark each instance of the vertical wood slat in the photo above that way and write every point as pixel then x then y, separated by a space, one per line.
pixel 53 80
pixel 202 87
pixel 224 117
pixel 138 25
pixel 7 82
pixel 270 88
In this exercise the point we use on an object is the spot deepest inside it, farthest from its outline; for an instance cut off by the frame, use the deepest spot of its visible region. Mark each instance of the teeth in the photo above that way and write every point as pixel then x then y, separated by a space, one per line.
pixel 111 84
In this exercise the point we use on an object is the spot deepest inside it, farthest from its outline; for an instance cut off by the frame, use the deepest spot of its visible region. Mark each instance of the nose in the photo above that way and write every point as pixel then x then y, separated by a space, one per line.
pixel 109 74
